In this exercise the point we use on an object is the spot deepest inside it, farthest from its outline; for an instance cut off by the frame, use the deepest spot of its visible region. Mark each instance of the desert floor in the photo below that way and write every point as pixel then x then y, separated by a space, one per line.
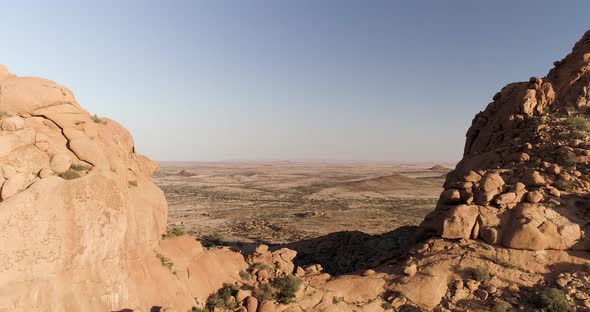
pixel 282 202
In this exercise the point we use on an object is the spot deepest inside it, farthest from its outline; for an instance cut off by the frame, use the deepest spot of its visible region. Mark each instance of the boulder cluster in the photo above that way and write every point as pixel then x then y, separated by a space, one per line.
pixel 525 174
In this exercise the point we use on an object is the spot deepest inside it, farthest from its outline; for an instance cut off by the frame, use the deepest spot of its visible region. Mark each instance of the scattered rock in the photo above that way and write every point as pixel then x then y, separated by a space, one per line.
pixel 370 272
pixel 491 181
pixel 450 196
pixel 411 269
pixel 481 294
pixel 251 304
pixel 532 178
pixel 61 162
pixel 472 177
pixel 260 249
pixel 534 197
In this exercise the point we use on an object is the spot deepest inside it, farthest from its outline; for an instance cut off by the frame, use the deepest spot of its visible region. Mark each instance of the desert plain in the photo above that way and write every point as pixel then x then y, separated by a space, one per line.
pixel 284 202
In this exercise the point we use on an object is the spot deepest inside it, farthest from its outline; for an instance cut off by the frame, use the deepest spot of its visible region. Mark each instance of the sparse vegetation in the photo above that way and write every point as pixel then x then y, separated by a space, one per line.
pixel 223 299
pixel 212 241
pixel 481 273
pixel 399 294
pixel 569 161
pixel 389 296
pixel 499 261
pixel 79 167
pixel 98 120
pixel 260 266
pixel 502 306
pixel 577 123
pixel 263 292
pixel 4 115
pixel 133 183
pixel 69 175
pixel 245 275
pixel 286 288
pixel 166 262
pixel 173 232
pixel 387 305
pixel 577 135
pixel 532 121
pixel 337 300
pixel 196 308
pixel 563 185
pixel 552 300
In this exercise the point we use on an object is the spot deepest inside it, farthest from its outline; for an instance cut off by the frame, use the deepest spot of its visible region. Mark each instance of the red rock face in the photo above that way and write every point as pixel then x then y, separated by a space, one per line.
pixel 80 219
pixel 526 165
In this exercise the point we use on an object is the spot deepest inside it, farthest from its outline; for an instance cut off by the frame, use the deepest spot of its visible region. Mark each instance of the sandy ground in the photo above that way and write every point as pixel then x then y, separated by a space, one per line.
pixel 284 202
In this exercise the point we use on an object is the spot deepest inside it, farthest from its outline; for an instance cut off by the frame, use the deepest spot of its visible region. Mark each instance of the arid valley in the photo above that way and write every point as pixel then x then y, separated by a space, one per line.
pixel 284 202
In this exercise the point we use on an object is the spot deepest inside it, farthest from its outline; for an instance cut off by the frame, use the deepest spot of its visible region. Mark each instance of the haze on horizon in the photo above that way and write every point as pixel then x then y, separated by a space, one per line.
pixel 297 80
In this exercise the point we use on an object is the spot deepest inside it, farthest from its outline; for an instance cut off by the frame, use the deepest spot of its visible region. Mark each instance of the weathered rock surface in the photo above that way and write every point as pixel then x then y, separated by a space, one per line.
pixel 526 157
pixel 86 240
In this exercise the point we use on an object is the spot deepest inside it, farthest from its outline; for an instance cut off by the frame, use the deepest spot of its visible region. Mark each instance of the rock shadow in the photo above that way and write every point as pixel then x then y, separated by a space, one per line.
pixel 352 252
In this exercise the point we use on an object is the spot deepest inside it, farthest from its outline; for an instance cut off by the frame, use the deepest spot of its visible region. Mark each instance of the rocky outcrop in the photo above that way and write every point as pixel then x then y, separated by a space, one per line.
pixel 80 220
pixel 525 173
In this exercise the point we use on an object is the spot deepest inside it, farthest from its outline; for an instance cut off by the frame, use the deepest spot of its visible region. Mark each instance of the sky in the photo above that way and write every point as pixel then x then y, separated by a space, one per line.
pixel 289 80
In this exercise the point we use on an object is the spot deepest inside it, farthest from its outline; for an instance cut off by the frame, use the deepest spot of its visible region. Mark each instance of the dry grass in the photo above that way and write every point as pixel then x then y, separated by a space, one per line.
pixel 98 120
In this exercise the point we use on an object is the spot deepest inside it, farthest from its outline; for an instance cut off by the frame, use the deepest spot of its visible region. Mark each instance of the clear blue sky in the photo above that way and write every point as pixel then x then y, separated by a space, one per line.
pixel 262 80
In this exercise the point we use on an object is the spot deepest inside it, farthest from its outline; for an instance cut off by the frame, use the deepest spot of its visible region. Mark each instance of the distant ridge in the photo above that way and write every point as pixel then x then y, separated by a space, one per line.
pixel 184 173
pixel 439 167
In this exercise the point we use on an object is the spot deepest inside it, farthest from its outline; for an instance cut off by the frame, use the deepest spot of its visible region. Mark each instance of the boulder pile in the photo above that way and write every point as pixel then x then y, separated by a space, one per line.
pixel 524 178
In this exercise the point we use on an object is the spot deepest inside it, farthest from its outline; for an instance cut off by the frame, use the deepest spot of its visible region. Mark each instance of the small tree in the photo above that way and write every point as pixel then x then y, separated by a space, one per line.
pixel 286 288
pixel 552 300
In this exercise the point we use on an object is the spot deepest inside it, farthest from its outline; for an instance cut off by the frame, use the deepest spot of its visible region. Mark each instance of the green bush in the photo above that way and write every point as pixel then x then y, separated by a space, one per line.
pixel 173 232
pixel 552 300
pixel 532 121
pixel 244 275
pixel 481 273
pixel 577 135
pixel 223 299
pixel 502 306
pixel 286 288
pixel 563 185
pixel 166 262
pixel 69 175
pixel 263 292
pixel 133 183
pixel 261 266
pixel 577 123
pixel 569 161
